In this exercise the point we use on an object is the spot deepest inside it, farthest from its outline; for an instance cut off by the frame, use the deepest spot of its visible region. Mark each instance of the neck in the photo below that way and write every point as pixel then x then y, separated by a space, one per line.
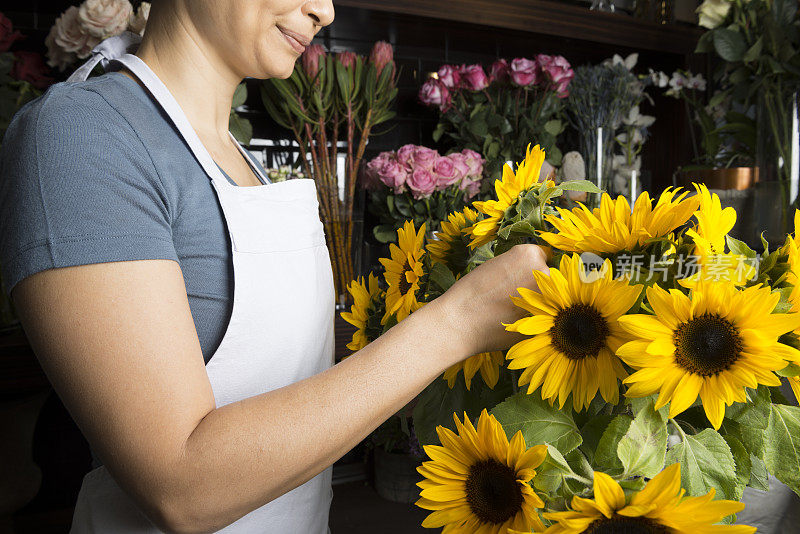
pixel 193 71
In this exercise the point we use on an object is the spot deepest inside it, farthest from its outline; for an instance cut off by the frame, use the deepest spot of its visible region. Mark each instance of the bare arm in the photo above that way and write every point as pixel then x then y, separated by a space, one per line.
pixel 118 343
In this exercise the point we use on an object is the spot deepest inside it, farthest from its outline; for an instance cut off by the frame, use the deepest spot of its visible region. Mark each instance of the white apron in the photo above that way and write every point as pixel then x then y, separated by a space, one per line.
pixel 280 331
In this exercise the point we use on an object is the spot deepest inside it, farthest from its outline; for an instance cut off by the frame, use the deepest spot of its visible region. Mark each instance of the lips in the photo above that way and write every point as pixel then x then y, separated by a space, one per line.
pixel 295 40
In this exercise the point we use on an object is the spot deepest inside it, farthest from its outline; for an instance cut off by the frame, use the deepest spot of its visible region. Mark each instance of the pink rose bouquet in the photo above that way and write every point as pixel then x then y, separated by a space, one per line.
pixel 497 111
pixel 417 182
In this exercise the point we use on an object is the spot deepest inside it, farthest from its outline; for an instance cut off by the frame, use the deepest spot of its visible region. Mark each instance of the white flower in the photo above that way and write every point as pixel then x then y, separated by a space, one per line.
pixel 67 41
pixel 138 21
pixel 676 84
pixel 712 13
pixel 696 82
pixel 628 62
pixel 659 79
pixel 104 18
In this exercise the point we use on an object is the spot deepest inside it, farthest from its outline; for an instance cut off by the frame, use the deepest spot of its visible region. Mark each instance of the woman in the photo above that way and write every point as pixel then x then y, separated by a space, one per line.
pixel 184 317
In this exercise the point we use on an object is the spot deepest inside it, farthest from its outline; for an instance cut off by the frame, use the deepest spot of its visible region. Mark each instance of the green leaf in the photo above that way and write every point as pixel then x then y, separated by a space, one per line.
pixel 592 431
pixel 743 464
pixel 729 44
pixel 754 51
pixel 385 233
pixel 239 95
pixel 553 127
pixel 442 276
pixel 539 422
pixel 790 370
pixel 241 128
pixel 606 454
pixel 643 447
pixel 550 474
pixel 740 247
pixel 782 447
pixel 759 476
pixel 436 406
pixel 579 185
pixel 706 462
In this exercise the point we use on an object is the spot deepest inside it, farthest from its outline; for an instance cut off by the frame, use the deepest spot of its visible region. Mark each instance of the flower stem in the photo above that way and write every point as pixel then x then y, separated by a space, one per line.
pixel 678 427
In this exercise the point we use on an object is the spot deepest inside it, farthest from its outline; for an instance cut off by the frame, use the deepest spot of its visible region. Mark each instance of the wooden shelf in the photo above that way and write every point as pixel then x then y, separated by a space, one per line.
pixel 548 18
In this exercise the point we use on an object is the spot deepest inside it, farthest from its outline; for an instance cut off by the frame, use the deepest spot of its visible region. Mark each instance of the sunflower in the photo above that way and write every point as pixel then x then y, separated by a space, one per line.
pixel 365 297
pixel 660 508
pixel 451 246
pixel 478 482
pixel 792 250
pixel 508 190
pixel 488 363
pixel 574 332
pixel 714 344
pixel 403 272
pixel 613 228
pixel 713 225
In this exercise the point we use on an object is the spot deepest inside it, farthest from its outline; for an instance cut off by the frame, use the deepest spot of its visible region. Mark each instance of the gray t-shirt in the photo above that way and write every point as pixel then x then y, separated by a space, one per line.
pixel 94 172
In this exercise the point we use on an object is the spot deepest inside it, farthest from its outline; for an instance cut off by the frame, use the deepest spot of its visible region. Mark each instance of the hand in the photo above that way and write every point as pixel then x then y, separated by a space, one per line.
pixel 480 302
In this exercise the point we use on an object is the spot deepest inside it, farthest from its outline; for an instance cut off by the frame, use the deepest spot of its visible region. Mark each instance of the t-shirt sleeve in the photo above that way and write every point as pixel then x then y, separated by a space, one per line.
pixel 77 186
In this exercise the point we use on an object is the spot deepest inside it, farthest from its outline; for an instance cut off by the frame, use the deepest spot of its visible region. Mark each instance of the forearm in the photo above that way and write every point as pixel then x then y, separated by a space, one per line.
pixel 248 453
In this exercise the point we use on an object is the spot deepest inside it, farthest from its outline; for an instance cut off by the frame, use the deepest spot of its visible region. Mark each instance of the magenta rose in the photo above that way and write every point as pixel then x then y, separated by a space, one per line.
pixel 424 158
pixel 382 54
pixel 347 58
pixel 405 155
pixel 421 182
pixel 30 67
pixel 499 71
pixel 524 72
pixel 460 164
pixel 434 93
pixel 450 76
pixel 311 58
pixel 474 78
pixel 558 71
pixel 446 173
pixel 7 33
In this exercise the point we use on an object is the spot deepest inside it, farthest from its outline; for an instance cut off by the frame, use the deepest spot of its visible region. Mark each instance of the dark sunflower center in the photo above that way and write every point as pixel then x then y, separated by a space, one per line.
pixel 619 524
pixel 707 345
pixel 579 331
pixel 404 284
pixel 493 493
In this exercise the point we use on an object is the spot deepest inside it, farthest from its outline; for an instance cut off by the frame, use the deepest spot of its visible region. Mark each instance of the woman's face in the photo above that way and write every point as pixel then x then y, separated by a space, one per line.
pixel 259 38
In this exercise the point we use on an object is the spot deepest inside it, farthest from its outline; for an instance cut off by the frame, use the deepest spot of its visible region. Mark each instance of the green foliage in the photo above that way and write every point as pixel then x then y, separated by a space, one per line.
pixel 782 445
pixel 539 422
pixel 642 448
pixel 706 462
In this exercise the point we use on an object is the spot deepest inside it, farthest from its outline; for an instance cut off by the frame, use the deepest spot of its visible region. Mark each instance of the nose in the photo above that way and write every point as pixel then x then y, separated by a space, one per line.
pixel 320 11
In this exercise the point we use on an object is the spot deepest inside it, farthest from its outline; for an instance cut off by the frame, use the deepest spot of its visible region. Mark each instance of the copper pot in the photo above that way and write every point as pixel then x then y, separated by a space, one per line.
pixel 738 178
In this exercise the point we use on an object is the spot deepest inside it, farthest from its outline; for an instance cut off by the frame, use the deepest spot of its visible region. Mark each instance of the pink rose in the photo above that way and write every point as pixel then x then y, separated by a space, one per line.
pixel 474 161
pixel 434 93
pixel 524 72
pixel 347 59
pixel 474 78
pixel 450 76
pixel 382 54
pixel 67 42
pixel 405 155
pixel 104 18
pixel 393 175
pixel 138 21
pixel 558 71
pixel 30 67
pixel 422 183
pixel 7 33
pixel 425 157
pixel 460 164
pixel 472 189
pixel 311 58
pixel 446 173
pixel 499 71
